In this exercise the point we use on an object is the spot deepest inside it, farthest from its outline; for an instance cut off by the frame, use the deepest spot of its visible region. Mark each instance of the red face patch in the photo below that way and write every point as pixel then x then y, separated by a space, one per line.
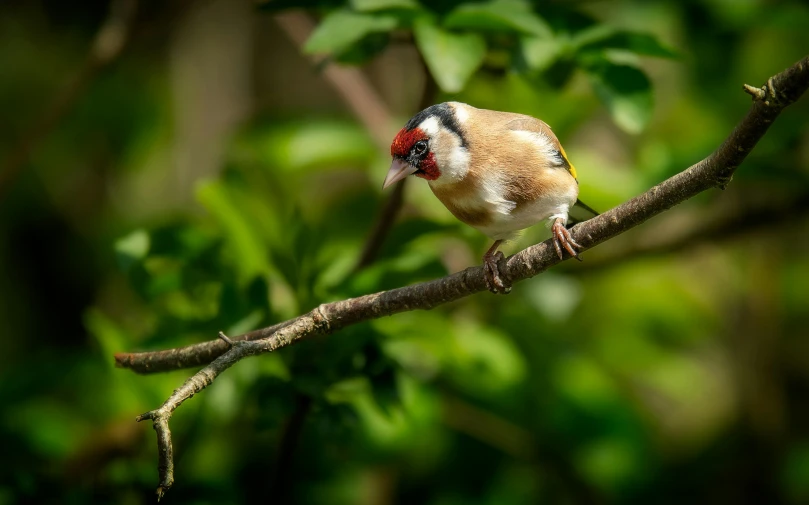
pixel 428 168
pixel 403 145
pixel 404 141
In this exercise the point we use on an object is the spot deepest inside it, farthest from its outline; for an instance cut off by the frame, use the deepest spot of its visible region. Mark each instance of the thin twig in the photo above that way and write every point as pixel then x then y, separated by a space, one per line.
pixel 381 228
pixel 225 339
pixel 384 222
pixel 189 356
pixel 107 45
pixel 714 171
pixel 369 107
pixel 756 93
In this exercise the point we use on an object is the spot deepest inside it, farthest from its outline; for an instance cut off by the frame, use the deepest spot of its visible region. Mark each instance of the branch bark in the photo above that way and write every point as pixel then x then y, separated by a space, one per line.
pixel 714 171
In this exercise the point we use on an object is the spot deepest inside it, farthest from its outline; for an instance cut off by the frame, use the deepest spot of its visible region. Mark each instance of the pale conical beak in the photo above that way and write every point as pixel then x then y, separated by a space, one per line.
pixel 399 169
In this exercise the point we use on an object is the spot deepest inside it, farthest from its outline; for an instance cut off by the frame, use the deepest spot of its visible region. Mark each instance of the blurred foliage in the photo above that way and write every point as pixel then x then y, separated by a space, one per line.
pixel 547 44
pixel 675 378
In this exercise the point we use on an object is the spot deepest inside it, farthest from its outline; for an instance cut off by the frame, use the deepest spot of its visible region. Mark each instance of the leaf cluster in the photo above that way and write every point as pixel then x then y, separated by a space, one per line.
pixel 537 41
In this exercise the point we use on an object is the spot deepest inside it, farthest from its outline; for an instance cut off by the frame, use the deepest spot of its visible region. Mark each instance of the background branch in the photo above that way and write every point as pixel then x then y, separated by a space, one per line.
pixel 714 171
pixel 350 82
pixel 370 109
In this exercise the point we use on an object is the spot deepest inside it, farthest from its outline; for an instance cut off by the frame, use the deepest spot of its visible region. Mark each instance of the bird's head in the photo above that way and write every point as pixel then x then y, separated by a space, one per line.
pixel 431 146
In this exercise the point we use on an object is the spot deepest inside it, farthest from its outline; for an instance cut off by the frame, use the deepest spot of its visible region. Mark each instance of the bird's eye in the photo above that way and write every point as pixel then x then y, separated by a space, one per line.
pixel 420 146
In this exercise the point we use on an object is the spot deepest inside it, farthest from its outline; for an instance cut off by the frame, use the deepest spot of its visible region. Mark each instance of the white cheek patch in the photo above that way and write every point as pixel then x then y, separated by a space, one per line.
pixel 458 162
pixel 451 157
pixel 542 142
pixel 430 126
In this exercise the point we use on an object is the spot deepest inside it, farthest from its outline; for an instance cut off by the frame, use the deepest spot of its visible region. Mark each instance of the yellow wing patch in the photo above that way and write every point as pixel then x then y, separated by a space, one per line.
pixel 570 167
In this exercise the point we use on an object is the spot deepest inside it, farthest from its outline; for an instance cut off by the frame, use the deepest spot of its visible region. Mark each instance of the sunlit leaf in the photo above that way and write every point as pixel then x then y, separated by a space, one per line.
pixel 539 53
pixel 474 356
pixel 604 37
pixel 340 29
pixel 498 15
pixel 554 296
pixel 451 57
pixel 288 145
pixel 243 240
pixel 378 5
pixel 132 248
pixel 626 92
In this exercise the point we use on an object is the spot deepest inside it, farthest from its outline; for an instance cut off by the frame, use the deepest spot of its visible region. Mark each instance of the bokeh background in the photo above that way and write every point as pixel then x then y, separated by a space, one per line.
pixel 171 169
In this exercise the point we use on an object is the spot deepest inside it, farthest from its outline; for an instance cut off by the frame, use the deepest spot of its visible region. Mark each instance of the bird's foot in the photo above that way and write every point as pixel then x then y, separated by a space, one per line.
pixel 562 239
pixel 491 273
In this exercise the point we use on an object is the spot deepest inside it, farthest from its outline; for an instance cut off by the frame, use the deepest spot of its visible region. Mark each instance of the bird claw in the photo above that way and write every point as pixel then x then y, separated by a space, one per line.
pixel 563 240
pixel 491 273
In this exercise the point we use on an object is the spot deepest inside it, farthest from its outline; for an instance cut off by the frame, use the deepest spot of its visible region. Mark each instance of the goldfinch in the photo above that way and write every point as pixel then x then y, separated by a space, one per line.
pixel 499 172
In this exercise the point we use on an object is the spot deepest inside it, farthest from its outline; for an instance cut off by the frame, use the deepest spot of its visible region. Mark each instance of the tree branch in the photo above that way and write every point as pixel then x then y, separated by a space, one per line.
pixel 715 224
pixel 714 171
pixel 369 107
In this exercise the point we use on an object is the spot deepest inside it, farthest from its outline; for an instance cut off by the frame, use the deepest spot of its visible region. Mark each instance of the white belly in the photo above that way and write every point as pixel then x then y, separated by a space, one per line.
pixel 505 224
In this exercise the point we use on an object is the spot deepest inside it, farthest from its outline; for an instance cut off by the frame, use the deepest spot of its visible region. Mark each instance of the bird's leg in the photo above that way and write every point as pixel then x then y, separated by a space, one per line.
pixel 492 273
pixel 562 239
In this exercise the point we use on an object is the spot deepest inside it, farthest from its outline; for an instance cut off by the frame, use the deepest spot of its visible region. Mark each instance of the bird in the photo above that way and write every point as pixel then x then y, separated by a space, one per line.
pixel 499 172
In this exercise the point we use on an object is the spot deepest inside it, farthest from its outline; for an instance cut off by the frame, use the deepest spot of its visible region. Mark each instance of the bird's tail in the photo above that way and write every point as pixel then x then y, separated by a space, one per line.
pixel 581 212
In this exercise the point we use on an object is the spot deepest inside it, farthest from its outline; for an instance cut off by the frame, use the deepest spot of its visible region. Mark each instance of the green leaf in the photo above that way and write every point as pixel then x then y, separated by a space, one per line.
pixel 603 38
pixel 341 29
pixel 539 53
pixel 286 146
pixel 378 5
pixel 626 92
pixel 364 50
pixel 498 15
pixel 452 58
pixel 132 248
pixel 245 243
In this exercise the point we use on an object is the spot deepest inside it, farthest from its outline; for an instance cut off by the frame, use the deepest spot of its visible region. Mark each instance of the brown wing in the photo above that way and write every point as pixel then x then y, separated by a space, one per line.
pixel 530 124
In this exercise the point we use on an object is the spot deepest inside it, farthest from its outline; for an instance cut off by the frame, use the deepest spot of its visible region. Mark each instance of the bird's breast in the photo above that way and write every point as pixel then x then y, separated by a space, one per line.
pixel 500 205
pixel 462 200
